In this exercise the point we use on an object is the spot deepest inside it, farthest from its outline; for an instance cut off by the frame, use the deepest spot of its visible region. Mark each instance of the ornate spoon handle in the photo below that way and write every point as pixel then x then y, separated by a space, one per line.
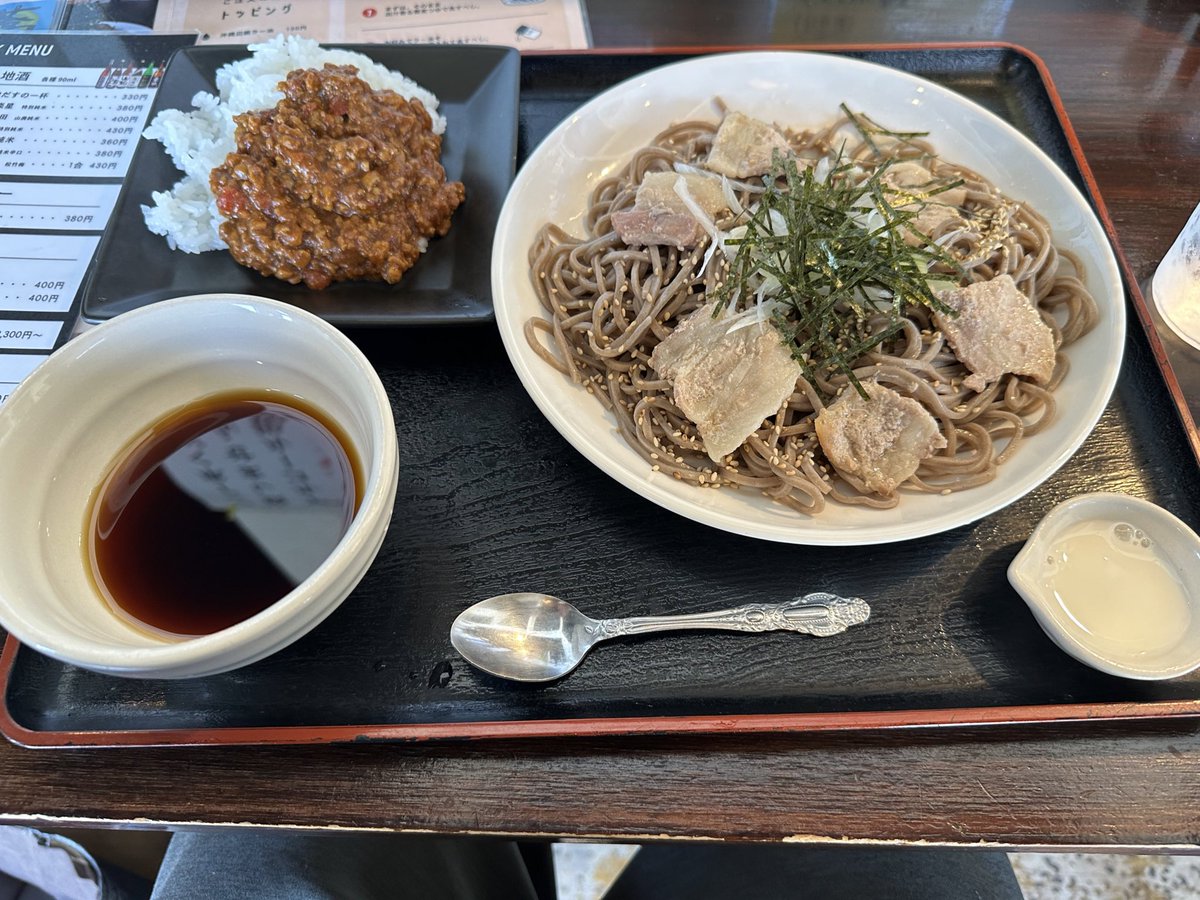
pixel 818 614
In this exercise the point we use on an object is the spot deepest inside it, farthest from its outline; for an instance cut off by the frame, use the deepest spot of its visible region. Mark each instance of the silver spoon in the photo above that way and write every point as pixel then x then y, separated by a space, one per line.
pixel 536 637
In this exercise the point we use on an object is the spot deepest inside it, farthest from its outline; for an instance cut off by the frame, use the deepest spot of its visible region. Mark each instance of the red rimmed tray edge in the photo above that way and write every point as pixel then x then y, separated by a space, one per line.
pixel 539 728
pixel 654 725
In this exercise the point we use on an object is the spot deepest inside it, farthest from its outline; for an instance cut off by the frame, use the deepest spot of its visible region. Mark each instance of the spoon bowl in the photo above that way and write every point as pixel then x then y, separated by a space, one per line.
pixel 523 636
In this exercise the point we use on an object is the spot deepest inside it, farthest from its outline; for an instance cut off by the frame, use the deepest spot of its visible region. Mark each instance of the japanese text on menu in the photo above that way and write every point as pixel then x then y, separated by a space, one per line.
pixel 72 108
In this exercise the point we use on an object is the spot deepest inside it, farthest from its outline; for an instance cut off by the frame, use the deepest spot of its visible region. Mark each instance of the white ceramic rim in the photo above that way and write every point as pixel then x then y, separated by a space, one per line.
pixel 277 625
pixel 593 433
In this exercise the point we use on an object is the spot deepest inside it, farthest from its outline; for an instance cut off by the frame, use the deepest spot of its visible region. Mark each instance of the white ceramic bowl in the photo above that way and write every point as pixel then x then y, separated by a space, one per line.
pixel 1175 543
pixel 62 428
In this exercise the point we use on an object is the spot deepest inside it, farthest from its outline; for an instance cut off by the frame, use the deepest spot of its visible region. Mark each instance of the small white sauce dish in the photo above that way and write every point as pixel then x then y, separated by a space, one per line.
pixel 1115 582
pixel 65 424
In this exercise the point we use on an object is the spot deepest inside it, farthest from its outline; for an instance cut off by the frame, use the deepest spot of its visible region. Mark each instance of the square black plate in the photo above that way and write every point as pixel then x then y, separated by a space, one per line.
pixel 478 90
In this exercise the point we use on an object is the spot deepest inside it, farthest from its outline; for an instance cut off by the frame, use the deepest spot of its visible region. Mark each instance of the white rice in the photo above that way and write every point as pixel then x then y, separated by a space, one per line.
pixel 199 141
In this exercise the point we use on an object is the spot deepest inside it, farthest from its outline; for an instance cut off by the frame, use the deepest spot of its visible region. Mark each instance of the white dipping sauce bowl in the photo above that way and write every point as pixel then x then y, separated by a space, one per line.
pixel 1175 542
pixel 66 424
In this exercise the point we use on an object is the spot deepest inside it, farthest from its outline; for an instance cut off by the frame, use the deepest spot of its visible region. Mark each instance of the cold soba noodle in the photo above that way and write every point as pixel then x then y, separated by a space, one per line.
pixel 901 378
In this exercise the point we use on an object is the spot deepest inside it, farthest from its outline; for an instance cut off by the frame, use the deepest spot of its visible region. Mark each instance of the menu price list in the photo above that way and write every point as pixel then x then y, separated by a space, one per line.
pixel 31 334
pixel 57 122
pixel 72 109
pixel 54 206
pixel 41 273
pixel 524 24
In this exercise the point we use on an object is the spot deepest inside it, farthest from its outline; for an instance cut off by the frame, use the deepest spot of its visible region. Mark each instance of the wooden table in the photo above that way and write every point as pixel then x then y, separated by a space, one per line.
pixel 1128 76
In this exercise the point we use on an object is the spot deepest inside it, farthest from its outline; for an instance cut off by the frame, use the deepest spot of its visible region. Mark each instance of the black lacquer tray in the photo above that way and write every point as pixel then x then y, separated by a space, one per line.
pixel 491 500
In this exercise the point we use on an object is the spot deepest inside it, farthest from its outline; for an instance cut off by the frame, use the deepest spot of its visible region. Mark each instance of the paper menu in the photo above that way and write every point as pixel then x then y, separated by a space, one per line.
pixel 41 273
pixel 524 24
pixel 56 121
pixel 56 206
pixel 72 108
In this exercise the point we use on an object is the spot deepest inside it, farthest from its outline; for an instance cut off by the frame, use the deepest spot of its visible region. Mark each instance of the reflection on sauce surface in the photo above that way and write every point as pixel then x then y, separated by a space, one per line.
pixel 1124 595
pixel 219 510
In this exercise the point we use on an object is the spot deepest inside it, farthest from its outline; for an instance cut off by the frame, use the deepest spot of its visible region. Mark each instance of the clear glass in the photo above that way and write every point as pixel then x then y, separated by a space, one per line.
pixel 1176 283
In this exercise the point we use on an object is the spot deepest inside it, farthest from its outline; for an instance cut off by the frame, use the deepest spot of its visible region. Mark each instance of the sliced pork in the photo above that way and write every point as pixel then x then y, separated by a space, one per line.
pixel 914 187
pixel 726 381
pixel 879 441
pixel 916 184
pixel 744 147
pixel 659 215
pixel 997 330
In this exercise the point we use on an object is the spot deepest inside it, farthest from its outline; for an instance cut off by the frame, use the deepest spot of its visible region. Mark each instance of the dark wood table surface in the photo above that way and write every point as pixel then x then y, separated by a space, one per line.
pixel 1129 76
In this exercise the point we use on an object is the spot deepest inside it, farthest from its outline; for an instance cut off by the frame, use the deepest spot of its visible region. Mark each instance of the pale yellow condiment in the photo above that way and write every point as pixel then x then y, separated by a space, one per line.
pixel 1115 584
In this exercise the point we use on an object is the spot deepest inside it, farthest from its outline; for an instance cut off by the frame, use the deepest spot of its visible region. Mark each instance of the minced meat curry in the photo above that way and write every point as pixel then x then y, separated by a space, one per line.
pixel 338 181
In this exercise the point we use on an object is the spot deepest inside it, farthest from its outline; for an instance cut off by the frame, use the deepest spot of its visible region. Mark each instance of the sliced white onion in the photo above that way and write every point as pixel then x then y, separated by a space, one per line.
pixel 681 191
pixel 755 315
pixel 735 206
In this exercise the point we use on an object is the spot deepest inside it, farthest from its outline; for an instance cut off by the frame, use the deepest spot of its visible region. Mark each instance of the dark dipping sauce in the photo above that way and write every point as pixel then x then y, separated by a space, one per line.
pixel 337 182
pixel 219 510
